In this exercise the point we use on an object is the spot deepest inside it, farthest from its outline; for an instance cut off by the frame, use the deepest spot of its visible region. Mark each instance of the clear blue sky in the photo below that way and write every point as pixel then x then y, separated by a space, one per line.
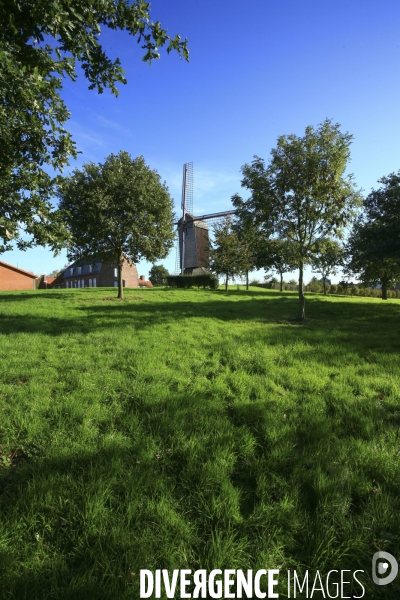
pixel 257 70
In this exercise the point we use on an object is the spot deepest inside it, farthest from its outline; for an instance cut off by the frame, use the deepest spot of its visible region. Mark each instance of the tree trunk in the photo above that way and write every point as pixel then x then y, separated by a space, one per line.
pixel 384 289
pixel 302 299
pixel 324 282
pixel 247 280
pixel 120 286
pixel 281 285
pixel 226 283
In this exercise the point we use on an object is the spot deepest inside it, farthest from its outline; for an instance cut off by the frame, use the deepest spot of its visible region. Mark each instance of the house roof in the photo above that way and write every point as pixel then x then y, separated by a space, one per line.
pixel 22 271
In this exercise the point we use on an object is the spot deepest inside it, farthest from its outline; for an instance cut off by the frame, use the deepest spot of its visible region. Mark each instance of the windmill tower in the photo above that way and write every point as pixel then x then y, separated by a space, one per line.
pixel 193 232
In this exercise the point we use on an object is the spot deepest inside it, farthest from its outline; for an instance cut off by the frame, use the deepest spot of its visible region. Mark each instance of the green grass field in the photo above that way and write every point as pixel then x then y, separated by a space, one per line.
pixel 194 429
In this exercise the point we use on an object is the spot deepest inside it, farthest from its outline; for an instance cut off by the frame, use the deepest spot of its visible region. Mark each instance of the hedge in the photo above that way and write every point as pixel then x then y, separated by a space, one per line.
pixel 188 281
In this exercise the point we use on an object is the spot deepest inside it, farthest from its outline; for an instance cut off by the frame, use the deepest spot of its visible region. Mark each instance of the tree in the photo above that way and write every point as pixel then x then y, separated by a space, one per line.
pixel 303 195
pixel 117 210
pixel 330 255
pixel 249 240
pixel 225 252
pixel 158 275
pixel 373 248
pixel 40 43
pixel 281 258
pixel 382 206
pixel 367 256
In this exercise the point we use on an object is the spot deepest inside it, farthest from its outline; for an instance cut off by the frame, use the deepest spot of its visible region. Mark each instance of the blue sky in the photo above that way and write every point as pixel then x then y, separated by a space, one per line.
pixel 257 70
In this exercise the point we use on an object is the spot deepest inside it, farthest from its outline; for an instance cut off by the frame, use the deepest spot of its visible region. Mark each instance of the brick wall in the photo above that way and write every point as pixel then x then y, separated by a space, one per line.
pixel 107 276
pixel 13 279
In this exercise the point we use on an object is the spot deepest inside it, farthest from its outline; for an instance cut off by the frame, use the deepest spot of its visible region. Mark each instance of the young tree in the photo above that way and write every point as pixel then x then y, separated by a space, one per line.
pixel 40 43
pixel 368 258
pixel 158 275
pixel 281 258
pixel 116 209
pixel 330 255
pixel 225 252
pixel 250 241
pixel 303 195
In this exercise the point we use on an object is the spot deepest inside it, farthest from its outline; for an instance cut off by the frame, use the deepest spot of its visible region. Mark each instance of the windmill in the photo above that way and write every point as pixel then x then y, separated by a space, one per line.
pixel 192 254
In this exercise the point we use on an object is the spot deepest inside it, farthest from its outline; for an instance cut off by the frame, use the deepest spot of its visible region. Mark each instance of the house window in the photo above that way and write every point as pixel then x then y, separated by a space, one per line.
pixel 90 283
pixel 82 283
pixel 115 272
pixel 66 284
pixel 115 283
pixel 94 281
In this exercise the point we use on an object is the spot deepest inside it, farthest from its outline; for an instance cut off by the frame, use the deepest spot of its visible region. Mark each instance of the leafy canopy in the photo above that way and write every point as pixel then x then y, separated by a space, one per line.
pixel 329 257
pixel 367 257
pixel 158 275
pixel 382 206
pixel 373 247
pixel 226 257
pixel 40 43
pixel 303 194
pixel 116 209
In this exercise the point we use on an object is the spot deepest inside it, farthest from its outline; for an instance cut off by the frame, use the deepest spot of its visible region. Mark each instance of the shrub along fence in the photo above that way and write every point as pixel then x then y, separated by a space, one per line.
pixel 340 289
pixel 188 281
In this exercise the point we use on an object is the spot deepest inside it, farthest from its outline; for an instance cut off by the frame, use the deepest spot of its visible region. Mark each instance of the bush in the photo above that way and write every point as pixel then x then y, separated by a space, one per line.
pixel 189 281
pixel 314 286
pixel 158 275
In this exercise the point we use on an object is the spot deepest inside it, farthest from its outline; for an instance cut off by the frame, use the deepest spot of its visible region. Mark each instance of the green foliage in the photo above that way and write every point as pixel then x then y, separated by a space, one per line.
pixel 281 257
pixel 158 275
pixel 373 250
pixel 368 258
pixel 188 427
pixel 382 207
pixel 117 209
pixel 226 257
pixel 251 240
pixel 329 256
pixel 303 195
pixel 207 280
pixel 40 43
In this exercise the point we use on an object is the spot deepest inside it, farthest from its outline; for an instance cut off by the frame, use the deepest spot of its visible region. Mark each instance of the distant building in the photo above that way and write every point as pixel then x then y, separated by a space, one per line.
pixel 87 273
pixel 13 278
pixel 197 254
pixel 45 282
pixel 143 283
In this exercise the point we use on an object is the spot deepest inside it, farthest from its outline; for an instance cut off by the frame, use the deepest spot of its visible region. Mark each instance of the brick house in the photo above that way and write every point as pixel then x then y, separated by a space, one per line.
pixel 13 278
pixel 86 273
pixel 45 282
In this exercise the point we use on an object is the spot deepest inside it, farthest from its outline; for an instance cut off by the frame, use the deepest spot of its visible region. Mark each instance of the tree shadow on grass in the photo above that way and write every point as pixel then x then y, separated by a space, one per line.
pixel 82 553
pixel 332 328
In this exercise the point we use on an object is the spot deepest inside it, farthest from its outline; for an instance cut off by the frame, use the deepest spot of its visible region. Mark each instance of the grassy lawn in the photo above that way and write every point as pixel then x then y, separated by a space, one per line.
pixel 194 429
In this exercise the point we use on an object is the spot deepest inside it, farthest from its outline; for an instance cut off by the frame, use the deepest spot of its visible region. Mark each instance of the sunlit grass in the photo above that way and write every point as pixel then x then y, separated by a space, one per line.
pixel 194 429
